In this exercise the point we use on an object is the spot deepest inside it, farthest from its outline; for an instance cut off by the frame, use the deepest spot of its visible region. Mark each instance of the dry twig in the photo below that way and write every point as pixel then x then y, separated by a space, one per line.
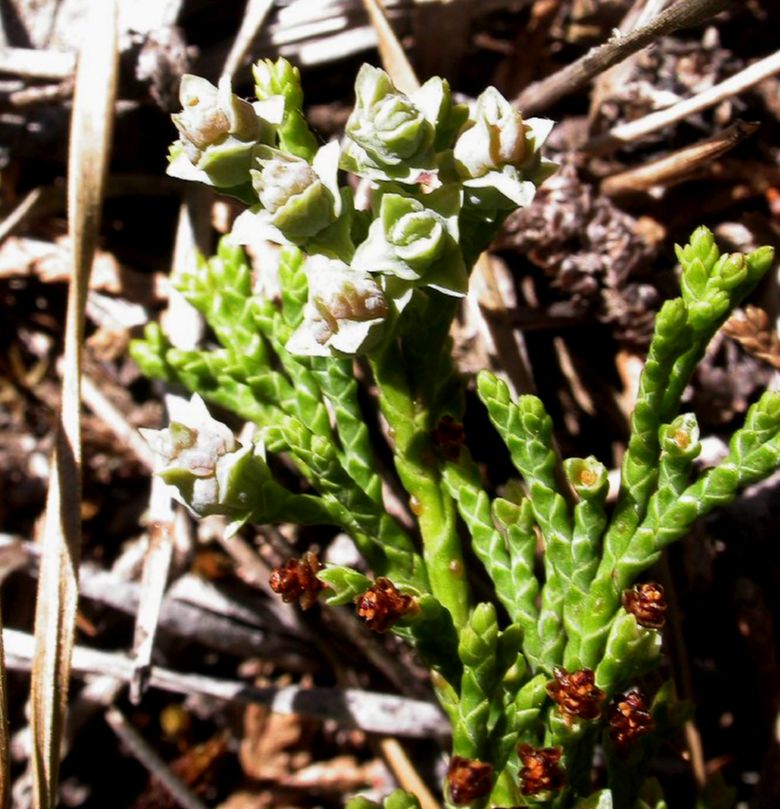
pixel 146 755
pixel 543 93
pixel 636 130
pixel 678 166
pixel 640 13
pixel 37 64
pixel 192 608
pixel 157 565
pixel 372 712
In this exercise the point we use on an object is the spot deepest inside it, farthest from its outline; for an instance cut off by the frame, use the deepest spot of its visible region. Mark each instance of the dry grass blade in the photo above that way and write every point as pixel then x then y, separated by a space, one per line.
pixel 254 17
pixel 393 55
pixel 543 93
pixel 58 585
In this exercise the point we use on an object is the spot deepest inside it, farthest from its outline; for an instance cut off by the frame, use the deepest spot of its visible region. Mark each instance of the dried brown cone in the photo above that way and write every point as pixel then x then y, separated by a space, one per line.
pixel 540 771
pixel 576 693
pixel 753 330
pixel 629 718
pixel 468 779
pixel 647 603
pixel 382 605
pixel 297 580
pixel 449 437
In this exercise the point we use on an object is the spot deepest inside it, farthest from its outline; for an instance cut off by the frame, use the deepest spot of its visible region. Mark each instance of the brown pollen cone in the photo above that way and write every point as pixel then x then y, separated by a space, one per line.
pixel 296 580
pixel 646 602
pixel 382 605
pixel 629 718
pixel 449 437
pixel 468 779
pixel 576 694
pixel 540 771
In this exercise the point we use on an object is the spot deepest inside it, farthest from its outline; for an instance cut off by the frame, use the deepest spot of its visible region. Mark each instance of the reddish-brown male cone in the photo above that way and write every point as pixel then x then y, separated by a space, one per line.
pixel 382 605
pixel 629 718
pixel 646 602
pixel 296 580
pixel 468 779
pixel 576 693
pixel 540 771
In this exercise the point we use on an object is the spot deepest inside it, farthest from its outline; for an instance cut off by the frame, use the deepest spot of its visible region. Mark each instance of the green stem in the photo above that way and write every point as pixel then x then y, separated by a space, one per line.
pixel 753 455
pixel 418 468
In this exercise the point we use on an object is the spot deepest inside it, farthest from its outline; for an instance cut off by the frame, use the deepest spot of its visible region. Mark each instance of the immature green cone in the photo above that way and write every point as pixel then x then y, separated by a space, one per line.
pixel 218 132
pixel 680 439
pixel 416 240
pixel 297 200
pixel 390 136
pixel 202 460
pixel 493 139
pixel 498 151
pixel 345 312
pixel 588 477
